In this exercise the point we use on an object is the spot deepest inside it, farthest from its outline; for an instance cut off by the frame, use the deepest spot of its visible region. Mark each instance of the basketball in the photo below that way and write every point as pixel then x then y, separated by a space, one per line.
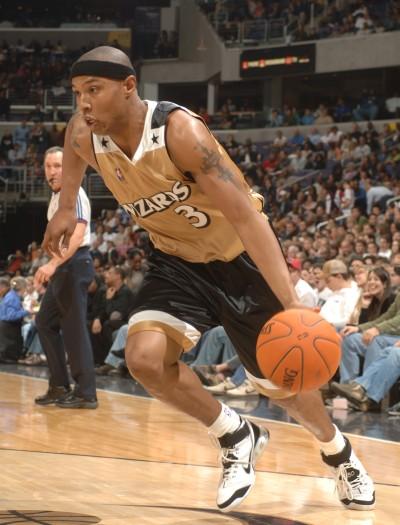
pixel 298 350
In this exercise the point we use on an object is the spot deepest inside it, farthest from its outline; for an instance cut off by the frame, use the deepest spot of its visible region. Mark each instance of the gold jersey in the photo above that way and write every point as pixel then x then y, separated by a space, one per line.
pixel 167 203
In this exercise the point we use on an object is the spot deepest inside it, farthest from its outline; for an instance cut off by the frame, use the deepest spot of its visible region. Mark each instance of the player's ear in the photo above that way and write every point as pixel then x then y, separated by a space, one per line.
pixel 129 85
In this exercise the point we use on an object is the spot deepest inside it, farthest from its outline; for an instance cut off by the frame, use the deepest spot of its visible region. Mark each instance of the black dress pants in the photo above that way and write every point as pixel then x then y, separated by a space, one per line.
pixel 64 306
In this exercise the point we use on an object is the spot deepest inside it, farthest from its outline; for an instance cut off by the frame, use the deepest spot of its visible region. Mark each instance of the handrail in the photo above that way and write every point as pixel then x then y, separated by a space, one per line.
pixel 249 31
pixel 322 224
pixel 3 201
pixel 62 98
pixel 392 199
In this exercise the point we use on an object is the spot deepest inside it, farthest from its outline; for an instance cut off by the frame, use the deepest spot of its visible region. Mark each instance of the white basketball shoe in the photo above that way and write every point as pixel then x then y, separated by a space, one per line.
pixel 239 453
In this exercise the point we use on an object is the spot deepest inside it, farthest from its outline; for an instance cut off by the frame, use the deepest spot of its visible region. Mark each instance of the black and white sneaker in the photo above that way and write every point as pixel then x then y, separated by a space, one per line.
pixel 239 452
pixel 354 486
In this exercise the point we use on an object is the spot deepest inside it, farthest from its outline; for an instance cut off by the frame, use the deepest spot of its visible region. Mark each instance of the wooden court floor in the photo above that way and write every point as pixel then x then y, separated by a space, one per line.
pixel 136 461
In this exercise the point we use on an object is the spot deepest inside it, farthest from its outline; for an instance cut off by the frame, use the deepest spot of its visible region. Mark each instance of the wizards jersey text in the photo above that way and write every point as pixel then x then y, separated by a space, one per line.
pixel 168 204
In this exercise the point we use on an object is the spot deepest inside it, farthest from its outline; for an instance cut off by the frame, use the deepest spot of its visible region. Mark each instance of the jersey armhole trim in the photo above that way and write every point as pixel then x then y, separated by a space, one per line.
pixel 184 173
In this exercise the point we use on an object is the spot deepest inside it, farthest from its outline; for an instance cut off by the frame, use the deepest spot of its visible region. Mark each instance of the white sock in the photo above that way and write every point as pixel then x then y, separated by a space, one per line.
pixel 228 421
pixel 335 446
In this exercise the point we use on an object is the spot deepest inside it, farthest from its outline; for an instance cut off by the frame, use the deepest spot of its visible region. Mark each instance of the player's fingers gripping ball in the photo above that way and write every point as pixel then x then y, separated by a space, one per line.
pixel 298 350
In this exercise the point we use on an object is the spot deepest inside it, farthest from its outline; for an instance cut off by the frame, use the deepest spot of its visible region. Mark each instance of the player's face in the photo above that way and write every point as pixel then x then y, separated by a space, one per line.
pixel 53 170
pixel 101 102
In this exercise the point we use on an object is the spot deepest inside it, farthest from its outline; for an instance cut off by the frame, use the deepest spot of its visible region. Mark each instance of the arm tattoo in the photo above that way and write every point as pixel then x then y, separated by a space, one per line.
pixel 75 143
pixel 211 160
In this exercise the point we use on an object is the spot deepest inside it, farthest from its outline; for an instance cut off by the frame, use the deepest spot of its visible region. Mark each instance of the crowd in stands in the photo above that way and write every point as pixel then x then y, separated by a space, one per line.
pixel 241 113
pixel 305 19
pixel 28 68
pixel 46 14
pixel 24 148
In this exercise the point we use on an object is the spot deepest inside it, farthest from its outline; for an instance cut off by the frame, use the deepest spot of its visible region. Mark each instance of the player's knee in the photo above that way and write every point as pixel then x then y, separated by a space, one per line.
pixel 295 403
pixel 143 362
pixel 287 402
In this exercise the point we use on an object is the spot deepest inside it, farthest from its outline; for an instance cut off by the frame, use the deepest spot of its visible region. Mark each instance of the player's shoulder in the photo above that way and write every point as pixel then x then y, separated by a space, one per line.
pixel 182 123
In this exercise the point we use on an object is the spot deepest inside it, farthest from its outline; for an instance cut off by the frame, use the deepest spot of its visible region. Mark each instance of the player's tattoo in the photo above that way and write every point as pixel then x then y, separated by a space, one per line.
pixel 212 161
pixel 75 143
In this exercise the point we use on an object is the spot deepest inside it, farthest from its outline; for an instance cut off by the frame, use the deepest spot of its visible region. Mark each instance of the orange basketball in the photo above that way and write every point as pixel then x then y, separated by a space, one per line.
pixel 298 350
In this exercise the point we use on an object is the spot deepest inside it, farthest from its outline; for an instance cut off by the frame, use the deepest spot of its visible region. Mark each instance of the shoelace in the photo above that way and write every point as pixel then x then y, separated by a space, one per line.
pixel 231 464
pixel 348 486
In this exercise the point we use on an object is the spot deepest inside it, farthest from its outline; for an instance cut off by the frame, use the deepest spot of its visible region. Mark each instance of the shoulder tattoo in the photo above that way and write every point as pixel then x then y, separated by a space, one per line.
pixel 211 160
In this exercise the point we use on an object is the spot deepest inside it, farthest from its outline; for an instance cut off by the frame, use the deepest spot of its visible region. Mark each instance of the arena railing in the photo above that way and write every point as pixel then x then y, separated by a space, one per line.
pixel 95 187
pixel 3 199
pixel 338 220
pixel 393 200
pixel 19 185
pixel 250 31
pixel 58 96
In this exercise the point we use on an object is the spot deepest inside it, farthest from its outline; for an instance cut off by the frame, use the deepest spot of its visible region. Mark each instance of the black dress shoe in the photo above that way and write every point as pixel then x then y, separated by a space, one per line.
pixel 120 371
pixel 74 401
pixel 352 391
pixel 4 360
pixel 119 353
pixel 53 394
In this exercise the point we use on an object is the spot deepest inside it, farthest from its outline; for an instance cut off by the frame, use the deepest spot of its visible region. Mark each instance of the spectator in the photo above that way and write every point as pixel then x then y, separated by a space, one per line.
pixel 135 269
pixel 366 391
pixel 339 306
pixel 368 341
pixel 305 293
pixel 376 296
pixel 393 105
pixel 368 107
pixel 21 136
pixel 376 194
pixel 308 118
pixel 276 120
pixel 116 310
pixel 323 116
pixel 341 111
pixel 11 316
pixel 37 114
pixel 280 140
pixel 114 363
pixel 56 115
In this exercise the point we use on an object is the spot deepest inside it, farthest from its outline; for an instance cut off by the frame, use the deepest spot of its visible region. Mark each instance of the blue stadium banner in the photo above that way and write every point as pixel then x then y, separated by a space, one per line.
pixel 278 61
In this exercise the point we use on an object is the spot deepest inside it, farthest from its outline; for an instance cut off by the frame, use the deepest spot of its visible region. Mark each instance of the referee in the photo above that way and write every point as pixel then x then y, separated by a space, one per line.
pixel 61 321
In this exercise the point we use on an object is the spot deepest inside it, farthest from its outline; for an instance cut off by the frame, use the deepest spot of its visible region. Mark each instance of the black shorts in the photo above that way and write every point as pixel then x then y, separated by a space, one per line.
pixel 203 295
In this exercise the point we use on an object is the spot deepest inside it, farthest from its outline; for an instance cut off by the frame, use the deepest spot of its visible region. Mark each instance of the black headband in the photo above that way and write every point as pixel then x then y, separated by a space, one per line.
pixel 101 68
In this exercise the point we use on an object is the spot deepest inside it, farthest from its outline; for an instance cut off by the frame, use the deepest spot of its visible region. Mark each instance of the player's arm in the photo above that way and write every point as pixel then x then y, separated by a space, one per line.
pixel 76 157
pixel 193 149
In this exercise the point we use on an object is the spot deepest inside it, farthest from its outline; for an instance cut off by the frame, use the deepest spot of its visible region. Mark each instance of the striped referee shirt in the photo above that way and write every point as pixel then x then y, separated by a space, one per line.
pixel 83 212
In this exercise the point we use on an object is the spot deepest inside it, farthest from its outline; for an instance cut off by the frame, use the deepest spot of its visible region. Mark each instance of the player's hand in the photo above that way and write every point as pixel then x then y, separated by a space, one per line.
pixel 348 330
pixel 59 231
pixel 44 274
pixel 369 335
pixel 397 343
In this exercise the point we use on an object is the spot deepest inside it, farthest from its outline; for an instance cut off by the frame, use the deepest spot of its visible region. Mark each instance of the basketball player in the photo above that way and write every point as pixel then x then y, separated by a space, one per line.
pixel 64 304
pixel 216 261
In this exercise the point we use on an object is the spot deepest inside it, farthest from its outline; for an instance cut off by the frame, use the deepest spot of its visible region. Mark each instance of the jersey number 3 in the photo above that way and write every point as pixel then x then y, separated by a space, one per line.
pixel 198 219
